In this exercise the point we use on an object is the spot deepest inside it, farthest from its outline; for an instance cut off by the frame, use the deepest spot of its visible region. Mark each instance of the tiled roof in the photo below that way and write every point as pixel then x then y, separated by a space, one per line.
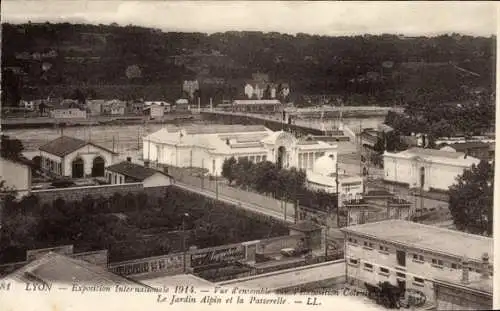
pixel 64 145
pixel 133 170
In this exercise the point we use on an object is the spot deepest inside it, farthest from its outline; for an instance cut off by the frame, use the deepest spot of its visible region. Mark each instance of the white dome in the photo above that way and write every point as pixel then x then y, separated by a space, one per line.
pixel 325 165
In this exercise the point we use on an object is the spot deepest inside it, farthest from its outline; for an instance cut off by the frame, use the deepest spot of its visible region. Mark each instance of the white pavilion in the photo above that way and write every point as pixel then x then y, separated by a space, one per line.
pixel 208 146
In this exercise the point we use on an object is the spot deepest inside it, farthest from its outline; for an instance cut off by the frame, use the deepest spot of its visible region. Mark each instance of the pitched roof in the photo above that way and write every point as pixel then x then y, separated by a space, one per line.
pixel 133 170
pixel 64 145
pixel 57 268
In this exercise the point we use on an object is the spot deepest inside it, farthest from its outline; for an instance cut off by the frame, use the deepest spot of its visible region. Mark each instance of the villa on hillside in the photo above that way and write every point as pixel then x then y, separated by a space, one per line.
pixel 208 147
pixel 75 158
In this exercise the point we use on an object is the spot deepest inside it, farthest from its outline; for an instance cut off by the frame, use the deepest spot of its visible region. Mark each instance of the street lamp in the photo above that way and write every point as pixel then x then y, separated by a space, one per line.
pixel 184 216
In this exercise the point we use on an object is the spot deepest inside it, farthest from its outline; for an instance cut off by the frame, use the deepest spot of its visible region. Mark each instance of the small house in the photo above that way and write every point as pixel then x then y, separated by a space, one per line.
pixel 68 109
pixel 154 111
pixel 128 172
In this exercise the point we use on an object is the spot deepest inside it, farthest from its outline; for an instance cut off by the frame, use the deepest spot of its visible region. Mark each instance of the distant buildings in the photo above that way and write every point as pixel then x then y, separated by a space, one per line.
pixel 75 158
pixel 68 109
pixel 207 147
pixel 451 268
pixel 154 111
pixel 480 150
pixel 114 107
pixel 255 105
pixel 128 172
pixel 427 169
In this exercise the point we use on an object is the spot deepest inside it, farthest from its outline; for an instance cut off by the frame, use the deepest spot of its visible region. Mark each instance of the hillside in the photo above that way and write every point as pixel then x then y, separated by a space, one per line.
pixel 40 60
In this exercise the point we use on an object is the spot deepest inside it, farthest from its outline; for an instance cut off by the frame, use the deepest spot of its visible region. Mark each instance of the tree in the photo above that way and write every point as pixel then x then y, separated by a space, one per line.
pixel 471 199
pixel 228 169
pixel 11 148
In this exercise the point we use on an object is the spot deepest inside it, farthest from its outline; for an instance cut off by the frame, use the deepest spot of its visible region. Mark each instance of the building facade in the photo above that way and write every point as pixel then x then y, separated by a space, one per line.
pixel 427 169
pixel 128 172
pixel 412 255
pixel 208 147
pixel 323 176
pixel 75 158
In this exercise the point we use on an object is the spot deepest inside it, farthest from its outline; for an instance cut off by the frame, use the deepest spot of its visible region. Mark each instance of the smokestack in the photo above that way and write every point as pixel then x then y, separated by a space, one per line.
pixel 129 159
pixel 485 271
pixel 465 270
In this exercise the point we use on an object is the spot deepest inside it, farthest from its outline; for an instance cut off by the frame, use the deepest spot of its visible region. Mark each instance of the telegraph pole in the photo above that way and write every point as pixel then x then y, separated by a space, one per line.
pixel 337 191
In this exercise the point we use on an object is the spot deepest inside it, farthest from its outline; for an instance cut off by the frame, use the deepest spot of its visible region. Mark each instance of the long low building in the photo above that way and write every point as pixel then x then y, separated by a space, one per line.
pixel 416 257
pixel 427 169
pixel 208 146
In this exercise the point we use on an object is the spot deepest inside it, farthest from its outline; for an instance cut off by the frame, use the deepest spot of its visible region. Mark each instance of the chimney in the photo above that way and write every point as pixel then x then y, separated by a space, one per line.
pixel 129 159
pixel 465 271
pixel 485 271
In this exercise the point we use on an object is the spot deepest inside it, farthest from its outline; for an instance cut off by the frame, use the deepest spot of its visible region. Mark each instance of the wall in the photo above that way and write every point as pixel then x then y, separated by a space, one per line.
pixel 78 193
pixel 87 153
pixel 166 264
pixel 455 298
pixel 15 175
pixel 437 175
pixel 98 258
pixel 386 258
pixel 241 195
pixel 157 180
pixel 68 114
pixel 274 245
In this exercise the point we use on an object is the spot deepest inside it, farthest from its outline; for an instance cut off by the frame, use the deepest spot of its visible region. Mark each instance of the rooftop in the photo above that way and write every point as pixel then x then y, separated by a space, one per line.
pixel 469 145
pixel 65 145
pixel 420 236
pixel 133 170
pixel 56 268
pixel 174 280
pixel 475 283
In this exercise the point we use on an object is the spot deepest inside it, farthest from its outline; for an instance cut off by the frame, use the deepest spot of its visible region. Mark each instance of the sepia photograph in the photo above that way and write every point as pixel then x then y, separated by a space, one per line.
pixel 284 155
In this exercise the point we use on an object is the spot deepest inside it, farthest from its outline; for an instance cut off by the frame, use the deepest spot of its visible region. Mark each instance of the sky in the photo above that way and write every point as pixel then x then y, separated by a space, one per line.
pixel 322 18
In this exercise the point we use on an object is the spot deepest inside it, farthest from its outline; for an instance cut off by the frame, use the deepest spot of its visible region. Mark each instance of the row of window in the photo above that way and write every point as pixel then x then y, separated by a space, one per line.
pixel 115 178
pixel 384 271
pixel 255 159
pixel 416 257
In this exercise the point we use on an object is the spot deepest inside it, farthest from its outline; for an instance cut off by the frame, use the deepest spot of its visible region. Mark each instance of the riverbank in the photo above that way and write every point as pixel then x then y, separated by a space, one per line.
pixel 46 122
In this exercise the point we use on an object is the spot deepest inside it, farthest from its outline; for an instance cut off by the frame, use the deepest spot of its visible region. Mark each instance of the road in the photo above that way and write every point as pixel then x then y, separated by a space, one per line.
pixel 240 204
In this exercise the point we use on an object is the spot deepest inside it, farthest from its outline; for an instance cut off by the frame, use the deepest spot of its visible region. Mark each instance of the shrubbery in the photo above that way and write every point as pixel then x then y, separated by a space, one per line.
pixel 125 224
pixel 283 184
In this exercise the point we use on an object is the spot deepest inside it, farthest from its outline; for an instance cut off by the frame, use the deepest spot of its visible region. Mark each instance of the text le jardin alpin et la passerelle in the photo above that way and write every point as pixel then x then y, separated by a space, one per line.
pixel 186 294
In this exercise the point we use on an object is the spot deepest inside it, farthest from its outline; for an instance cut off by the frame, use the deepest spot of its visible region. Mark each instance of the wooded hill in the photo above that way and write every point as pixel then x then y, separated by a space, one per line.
pixel 110 61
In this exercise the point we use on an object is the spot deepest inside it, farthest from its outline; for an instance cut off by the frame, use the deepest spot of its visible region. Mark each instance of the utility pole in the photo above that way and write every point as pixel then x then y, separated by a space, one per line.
pixel 202 173
pixel 216 187
pixel 337 191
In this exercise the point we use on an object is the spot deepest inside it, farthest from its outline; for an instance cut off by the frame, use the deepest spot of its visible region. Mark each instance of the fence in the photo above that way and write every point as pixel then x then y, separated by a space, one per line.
pixel 222 189
pixel 274 245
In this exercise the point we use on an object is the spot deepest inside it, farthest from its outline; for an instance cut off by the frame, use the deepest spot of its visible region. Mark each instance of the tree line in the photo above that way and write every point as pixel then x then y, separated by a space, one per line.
pixel 283 184
pixel 130 226
pixel 375 66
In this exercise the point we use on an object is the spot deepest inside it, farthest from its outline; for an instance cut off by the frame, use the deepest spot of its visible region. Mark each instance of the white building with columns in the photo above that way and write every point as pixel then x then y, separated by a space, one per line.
pixel 208 146
pixel 426 168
